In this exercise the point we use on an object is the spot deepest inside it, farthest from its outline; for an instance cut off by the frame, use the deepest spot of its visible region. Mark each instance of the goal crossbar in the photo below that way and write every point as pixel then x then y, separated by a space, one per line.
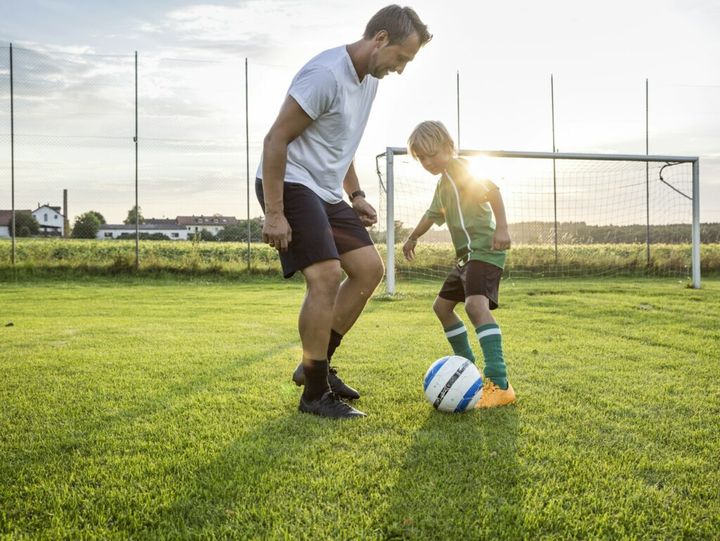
pixel 400 151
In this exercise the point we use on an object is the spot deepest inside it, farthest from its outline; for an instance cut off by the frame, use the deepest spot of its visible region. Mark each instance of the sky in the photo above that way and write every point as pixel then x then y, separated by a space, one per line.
pixel 74 93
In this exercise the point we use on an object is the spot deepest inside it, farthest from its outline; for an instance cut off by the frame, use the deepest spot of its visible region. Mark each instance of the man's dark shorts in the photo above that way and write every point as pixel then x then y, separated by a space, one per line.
pixel 320 230
pixel 472 278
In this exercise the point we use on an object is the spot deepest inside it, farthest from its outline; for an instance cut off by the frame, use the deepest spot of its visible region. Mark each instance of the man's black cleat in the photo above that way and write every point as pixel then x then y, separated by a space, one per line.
pixel 337 385
pixel 329 405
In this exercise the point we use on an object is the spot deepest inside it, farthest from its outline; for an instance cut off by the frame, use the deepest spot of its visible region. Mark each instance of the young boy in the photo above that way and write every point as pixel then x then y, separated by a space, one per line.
pixel 467 205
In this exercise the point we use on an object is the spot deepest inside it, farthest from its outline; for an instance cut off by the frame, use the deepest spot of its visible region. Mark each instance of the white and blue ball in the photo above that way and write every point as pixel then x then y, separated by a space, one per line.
pixel 453 384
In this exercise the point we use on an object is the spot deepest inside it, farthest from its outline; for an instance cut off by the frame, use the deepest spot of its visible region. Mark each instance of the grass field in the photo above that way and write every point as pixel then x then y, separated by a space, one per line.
pixel 163 409
pixel 70 258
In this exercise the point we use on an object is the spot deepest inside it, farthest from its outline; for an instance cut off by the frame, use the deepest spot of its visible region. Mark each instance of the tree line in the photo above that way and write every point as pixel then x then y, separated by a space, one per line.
pixel 537 233
pixel 583 233
pixel 87 225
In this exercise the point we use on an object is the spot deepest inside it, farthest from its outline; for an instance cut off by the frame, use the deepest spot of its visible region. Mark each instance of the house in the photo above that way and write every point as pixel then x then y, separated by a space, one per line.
pixel 160 221
pixel 51 220
pixel 214 224
pixel 6 221
pixel 113 231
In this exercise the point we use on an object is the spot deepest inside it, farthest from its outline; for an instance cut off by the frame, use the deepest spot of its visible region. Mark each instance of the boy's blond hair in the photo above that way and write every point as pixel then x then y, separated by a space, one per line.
pixel 429 137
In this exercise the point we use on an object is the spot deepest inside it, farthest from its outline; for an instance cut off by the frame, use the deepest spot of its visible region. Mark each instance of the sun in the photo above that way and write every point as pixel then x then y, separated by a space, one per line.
pixel 486 167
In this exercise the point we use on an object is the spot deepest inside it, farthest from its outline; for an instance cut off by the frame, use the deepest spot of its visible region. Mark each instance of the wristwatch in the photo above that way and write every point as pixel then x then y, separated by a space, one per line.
pixel 356 194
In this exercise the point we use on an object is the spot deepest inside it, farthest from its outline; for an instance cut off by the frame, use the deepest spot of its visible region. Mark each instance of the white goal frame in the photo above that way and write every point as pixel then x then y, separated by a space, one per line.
pixel 391 152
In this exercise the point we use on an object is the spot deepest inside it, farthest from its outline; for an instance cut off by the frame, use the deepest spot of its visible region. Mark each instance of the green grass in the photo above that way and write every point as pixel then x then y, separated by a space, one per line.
pixel 76 257
pixel 151 409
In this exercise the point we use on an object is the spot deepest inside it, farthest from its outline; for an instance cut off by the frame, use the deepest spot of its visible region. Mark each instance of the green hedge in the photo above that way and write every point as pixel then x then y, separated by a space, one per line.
pixel 41 256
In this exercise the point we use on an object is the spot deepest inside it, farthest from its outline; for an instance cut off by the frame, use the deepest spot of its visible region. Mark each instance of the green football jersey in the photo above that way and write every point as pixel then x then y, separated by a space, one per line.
pixel 461 201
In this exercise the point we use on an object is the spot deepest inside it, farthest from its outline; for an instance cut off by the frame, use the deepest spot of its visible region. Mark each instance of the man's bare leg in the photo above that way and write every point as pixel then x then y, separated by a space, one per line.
pixel 323 281
pixel 364 271
pixel 316 315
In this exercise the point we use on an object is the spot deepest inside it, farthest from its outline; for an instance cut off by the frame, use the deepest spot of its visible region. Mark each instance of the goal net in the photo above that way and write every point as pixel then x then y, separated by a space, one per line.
pixel 568 214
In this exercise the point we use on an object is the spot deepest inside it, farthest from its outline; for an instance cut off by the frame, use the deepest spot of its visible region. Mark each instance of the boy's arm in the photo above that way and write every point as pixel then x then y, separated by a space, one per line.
pixel 501 238
pixel 421 228
pixel 364 210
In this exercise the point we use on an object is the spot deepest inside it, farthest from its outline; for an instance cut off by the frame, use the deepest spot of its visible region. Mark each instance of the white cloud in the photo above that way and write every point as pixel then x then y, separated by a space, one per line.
pixel 192 81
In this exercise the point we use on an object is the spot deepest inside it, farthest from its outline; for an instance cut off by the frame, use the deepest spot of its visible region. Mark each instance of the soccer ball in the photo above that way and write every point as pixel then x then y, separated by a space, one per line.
pixel 453 384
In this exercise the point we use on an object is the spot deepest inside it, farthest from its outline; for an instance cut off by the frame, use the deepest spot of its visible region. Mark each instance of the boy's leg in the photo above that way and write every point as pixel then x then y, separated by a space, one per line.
pixel 451 293
pixel 490 337
pixel 482 281
pixel 454 328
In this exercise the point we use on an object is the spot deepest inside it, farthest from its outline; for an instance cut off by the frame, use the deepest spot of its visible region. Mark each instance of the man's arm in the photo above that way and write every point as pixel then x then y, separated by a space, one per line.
pixel 364 210
pixel 289 124
pixel 350 182
pixel 501 238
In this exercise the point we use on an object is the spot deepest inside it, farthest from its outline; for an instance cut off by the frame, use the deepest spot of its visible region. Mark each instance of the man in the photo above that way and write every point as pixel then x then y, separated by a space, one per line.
pixel 307 163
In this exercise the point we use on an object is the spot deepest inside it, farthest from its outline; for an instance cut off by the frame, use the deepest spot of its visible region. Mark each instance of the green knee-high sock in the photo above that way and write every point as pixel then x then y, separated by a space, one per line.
pixel 491 344
pixel 458 338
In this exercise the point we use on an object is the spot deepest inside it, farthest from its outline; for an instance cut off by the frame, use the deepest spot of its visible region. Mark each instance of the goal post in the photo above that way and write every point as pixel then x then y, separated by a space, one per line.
pixel 600 203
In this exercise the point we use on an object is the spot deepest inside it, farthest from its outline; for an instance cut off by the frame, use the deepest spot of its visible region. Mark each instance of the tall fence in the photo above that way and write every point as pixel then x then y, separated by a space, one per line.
pixel 70 123
pixel 72 119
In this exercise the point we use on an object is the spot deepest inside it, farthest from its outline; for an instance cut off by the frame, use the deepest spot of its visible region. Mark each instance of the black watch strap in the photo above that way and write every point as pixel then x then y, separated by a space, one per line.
pixel 356 194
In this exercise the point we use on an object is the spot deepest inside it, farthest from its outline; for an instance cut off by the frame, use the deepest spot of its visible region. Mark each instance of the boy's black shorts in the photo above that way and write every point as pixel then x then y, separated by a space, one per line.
pixel 320 230
pixel 472 278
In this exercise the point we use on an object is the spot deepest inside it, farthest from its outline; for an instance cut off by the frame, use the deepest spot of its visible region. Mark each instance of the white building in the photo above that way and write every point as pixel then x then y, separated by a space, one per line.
pixel 214 224
pixel 51 221
pixel 113 231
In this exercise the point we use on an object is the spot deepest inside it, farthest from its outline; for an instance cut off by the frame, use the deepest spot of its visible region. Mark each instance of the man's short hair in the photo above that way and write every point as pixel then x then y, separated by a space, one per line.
pixel 430 137
pixel 399 22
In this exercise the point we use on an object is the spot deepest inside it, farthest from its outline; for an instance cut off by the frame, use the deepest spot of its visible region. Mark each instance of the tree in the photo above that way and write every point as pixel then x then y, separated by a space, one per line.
pixel 99 216
pixel 25 224
pixel 401 232
pixel 131 215
pixel 86 226
pixel 206 235
pixel 232 233
pixel 203 235
pixel 239 232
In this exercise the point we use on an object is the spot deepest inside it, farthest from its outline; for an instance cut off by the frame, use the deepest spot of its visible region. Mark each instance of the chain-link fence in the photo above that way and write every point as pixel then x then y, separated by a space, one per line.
pixel 70 162
pixel 70 123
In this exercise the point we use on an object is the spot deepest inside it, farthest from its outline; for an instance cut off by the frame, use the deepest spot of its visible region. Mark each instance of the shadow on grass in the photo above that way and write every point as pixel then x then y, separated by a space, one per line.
pixel 459 480
pixel 269 482
pixel 81 440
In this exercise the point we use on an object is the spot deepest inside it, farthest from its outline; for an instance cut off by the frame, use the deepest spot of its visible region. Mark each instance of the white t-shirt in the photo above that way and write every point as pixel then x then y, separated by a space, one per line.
pixel 329 91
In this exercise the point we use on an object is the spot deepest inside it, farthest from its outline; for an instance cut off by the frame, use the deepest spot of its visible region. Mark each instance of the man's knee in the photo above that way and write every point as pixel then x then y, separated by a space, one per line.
pixel 323 278
pixel 366 266
pixel 375 272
